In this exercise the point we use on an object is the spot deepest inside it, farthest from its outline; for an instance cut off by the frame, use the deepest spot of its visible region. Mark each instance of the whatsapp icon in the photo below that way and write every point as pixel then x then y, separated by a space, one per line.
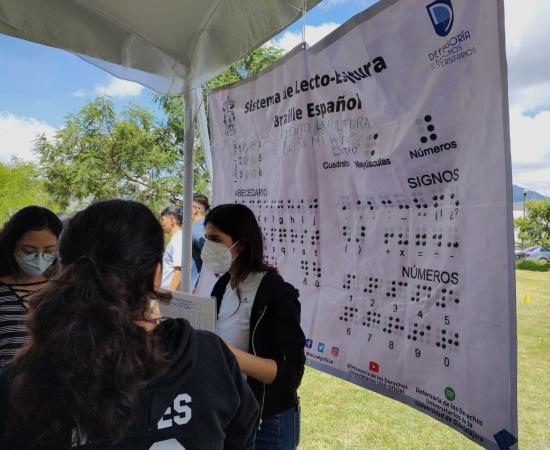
pixel 450 393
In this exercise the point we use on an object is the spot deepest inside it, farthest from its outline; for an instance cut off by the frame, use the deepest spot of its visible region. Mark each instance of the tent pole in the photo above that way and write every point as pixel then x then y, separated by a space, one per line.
pixel 187 189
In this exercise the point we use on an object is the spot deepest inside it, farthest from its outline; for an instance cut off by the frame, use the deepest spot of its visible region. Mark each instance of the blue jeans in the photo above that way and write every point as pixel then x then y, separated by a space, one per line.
pixel 280 432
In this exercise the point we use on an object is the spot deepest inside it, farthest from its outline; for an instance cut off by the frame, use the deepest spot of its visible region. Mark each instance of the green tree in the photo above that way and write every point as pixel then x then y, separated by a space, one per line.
pixel 99 154
pixel 21 185
pixel 174 126
pixel 246 67
pixel 535 227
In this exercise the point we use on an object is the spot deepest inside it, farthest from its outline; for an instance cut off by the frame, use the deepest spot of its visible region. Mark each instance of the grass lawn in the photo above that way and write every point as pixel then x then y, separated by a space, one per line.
pixel 340 415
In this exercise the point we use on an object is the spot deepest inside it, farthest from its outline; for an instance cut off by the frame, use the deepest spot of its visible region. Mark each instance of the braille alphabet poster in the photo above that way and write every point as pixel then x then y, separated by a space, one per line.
pixel 378 165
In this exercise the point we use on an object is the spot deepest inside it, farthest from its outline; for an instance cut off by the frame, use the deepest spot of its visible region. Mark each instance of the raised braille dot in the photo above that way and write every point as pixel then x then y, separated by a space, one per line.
pixel 427 118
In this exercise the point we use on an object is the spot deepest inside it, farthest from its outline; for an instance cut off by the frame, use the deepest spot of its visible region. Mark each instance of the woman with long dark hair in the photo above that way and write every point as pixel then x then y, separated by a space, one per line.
pixel 28 245
pixel 259 318
pixel 98 373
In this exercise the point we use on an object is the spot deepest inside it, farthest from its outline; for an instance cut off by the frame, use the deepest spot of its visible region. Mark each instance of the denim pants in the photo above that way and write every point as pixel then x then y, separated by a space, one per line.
pixel 280 432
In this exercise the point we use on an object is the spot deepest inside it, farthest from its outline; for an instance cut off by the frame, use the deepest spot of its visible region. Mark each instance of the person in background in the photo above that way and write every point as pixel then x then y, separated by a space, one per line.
pixel 28 245
pixel 200 209
pixel 171 220
pixel 259 319
pixel 98 374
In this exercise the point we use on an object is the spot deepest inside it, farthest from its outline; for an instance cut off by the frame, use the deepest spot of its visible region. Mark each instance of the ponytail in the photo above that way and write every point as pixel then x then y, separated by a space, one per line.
pixel 78 379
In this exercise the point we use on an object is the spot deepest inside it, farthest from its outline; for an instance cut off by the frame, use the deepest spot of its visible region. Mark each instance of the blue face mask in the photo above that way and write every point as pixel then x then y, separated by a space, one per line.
pixel 34 264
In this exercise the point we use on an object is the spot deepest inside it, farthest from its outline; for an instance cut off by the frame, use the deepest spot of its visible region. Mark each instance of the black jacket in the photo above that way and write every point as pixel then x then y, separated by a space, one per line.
pixel 216 408
pixel 275 333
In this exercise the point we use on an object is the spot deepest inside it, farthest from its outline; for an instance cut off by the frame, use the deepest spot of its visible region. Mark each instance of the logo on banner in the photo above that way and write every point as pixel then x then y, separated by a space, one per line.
pixel 442 16
pixel 334 351
pixel 374 366
pixel 309 343
pixel 228 109
pixel 450 393
pixel 321 347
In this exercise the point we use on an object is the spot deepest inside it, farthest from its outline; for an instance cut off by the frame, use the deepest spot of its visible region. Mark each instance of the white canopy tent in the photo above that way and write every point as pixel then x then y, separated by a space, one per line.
pixel 170 46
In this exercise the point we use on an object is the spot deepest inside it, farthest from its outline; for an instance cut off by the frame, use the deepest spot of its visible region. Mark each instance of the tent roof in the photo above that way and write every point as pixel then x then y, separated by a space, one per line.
pixel 157 43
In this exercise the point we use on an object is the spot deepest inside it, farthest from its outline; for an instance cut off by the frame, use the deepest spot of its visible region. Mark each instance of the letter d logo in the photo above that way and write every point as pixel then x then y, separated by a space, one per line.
pixel 442 16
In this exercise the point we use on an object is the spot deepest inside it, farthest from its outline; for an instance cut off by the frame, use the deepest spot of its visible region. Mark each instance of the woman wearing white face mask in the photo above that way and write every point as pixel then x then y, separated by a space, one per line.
pixel 259 319
pixel 28 244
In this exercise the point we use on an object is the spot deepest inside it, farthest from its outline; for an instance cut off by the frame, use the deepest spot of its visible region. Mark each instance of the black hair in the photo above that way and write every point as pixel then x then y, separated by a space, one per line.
pixel 239 222
pixel 30 218
pixel 87 359
pixel 202 200
pixel 174 212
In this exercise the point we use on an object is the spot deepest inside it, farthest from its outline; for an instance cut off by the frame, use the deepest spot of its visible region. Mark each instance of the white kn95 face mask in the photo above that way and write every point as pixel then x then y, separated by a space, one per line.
pixel 217 257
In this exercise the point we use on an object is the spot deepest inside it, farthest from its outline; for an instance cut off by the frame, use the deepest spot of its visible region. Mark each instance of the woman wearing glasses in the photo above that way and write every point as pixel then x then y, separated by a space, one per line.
pixel 28 244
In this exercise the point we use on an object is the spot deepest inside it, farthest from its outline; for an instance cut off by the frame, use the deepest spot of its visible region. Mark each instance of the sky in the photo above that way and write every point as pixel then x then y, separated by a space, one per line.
pixel 39 85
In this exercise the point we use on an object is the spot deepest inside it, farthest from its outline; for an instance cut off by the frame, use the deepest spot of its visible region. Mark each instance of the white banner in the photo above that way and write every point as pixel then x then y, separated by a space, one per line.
pixel 378 165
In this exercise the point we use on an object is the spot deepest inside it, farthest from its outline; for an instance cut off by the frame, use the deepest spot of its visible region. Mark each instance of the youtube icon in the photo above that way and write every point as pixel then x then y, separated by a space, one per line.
pixel 373 366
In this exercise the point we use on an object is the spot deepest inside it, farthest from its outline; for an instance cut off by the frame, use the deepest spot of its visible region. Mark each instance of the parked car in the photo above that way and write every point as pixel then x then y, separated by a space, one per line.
pixel 537 252
pixel 522 253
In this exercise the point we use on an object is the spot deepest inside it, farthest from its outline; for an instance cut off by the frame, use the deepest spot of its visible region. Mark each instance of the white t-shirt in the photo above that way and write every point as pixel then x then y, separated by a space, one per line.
pixel 171 259
pixel 233 319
